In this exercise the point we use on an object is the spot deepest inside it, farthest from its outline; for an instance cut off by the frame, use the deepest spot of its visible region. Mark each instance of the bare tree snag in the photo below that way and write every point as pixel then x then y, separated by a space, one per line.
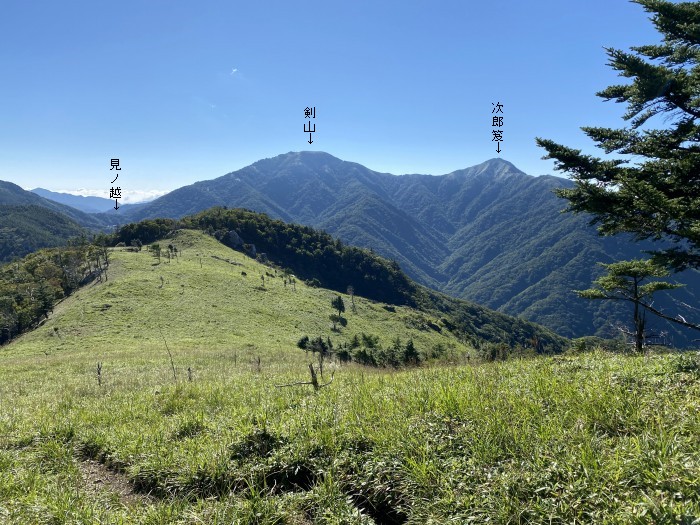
pixel 172 363
pixel 314 380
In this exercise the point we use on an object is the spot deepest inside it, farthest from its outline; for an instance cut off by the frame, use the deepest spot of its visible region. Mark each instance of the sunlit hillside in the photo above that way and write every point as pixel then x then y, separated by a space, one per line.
pixel 199 413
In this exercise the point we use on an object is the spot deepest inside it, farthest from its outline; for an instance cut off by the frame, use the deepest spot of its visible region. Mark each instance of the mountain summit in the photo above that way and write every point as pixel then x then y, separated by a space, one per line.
pixel 492 167
pixel 489 233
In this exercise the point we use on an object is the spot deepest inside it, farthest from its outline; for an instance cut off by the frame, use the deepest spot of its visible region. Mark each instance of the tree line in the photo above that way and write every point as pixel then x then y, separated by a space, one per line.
pixel 367 350
pixel 321 260
pixel 308 253
pixel 31 286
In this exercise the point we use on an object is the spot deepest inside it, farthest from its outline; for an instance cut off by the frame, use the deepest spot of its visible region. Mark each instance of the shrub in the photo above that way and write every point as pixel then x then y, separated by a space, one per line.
pixel 303 343
pixel 411 355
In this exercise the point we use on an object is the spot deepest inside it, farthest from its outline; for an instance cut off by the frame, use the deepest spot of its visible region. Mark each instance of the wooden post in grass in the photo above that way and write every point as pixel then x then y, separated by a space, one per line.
pixel 99 374
pixel 172 363
pixel 314 380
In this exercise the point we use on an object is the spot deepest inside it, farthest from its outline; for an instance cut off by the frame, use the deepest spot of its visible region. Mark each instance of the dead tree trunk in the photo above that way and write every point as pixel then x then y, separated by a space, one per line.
pixel 314 380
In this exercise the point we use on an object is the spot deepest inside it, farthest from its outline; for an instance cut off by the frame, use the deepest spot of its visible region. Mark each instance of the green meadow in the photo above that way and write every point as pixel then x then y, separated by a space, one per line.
pixel 192 418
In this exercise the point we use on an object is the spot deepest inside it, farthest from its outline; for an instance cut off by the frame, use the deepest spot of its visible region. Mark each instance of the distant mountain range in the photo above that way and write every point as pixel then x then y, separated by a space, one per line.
pixel 490 233
pixel 29 222
pixel 29 227
pixel 91 205
pixel 79 202
pixel 13 195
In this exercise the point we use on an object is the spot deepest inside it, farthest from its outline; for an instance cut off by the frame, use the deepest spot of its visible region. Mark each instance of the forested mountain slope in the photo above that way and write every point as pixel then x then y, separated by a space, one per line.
pixel 490 233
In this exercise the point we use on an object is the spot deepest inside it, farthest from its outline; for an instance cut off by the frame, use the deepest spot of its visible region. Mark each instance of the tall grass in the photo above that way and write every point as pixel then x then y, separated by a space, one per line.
pixel 594 438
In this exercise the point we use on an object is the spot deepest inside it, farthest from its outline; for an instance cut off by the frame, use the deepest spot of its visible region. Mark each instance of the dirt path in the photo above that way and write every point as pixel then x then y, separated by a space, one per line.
pixel 99 478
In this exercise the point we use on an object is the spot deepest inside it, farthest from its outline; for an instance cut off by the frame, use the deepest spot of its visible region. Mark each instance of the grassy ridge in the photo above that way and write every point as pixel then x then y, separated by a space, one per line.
pixel 571 439
pixel 203 304
pixel 316 256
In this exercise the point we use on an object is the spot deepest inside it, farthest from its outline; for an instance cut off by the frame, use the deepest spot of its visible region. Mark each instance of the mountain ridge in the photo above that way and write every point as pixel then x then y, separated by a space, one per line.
pixel 490 233
pixel 318 259
pixel 87 204
pixel 12 194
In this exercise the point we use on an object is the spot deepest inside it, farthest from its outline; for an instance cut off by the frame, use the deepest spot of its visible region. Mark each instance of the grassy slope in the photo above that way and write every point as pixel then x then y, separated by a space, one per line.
pixel 596 438
pixel 205 308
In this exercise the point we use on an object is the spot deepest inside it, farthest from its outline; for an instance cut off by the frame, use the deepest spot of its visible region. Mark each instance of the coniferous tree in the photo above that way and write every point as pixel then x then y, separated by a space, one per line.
pixel 338 304
pixel 410 353
pixel 623 282
pixel 656 195
pixel 351 293
pixel 335 319
pixel 395 353
pixel 303 343
pixel 155 248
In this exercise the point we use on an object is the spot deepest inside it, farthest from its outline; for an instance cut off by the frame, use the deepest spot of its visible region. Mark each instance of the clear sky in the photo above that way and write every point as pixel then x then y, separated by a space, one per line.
pixel 185 91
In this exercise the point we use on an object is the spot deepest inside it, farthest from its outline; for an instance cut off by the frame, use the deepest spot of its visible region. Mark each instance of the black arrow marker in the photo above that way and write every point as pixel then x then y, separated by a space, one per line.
pixel 310 141
pixel 116 204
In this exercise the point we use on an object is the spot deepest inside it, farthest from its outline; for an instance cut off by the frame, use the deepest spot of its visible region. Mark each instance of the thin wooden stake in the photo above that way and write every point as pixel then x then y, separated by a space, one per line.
pixel 172 363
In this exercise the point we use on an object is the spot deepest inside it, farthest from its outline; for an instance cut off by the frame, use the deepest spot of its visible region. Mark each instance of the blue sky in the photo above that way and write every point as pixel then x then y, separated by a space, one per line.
pixel 187 91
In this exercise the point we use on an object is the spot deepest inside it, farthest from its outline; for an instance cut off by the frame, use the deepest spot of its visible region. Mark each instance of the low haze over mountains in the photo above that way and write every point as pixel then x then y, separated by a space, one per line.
pixel 13 195
pixel 80 202
pixel 490 233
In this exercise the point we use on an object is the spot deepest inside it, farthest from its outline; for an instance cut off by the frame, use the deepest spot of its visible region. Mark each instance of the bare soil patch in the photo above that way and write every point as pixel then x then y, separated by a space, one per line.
pixel 99 478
